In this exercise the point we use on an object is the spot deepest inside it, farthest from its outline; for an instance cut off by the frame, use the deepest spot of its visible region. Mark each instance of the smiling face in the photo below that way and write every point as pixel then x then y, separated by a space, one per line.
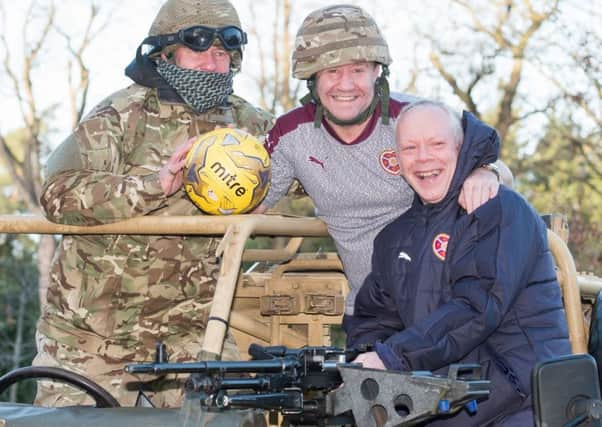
pixel 427 148
pixel 347 90
pixel 213 60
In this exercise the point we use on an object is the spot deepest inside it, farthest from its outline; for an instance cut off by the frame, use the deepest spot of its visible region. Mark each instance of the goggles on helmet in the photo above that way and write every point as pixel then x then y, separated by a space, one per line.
pixel 201 38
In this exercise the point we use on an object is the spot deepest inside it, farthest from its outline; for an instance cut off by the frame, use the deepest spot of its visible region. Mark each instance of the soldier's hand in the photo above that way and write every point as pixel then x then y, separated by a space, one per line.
pixel 478 188
pixel 260 209
pixel 370 360
pixel 170 175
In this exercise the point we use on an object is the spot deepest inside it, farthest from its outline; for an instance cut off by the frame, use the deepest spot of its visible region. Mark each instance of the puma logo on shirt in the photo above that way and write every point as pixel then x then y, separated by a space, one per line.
pixel 403 255
pixel 316 161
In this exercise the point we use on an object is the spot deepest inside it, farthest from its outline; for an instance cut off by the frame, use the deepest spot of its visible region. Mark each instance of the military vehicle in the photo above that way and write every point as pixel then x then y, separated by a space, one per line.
pixel 285 315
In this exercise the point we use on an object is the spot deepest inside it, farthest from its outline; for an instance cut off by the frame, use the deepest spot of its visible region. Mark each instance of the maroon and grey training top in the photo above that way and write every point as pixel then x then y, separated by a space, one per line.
pixel 356 187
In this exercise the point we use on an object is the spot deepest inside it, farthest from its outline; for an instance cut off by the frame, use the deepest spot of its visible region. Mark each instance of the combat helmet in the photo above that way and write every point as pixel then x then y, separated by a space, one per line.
pixel 339 35
pixel 176 15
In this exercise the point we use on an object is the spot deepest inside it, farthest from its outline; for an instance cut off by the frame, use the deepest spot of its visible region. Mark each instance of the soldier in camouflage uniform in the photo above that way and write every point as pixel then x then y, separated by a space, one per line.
pixel 112 298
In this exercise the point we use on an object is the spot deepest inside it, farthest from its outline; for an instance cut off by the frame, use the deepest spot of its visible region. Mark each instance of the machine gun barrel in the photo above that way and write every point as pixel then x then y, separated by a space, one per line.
pixel 211 383
pixel 270 366
pixel 287 401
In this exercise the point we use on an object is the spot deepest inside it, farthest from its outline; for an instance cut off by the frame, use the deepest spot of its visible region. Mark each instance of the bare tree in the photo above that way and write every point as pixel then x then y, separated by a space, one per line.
pixel 506 38
pixel 78 74
pixel 23 158
pixel 277 93
pixel 578 80
pixel 520 46
pixel 533 70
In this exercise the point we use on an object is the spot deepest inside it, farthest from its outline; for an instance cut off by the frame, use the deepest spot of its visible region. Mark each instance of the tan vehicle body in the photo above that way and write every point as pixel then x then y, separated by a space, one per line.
pixel 305 290
pixel 295 302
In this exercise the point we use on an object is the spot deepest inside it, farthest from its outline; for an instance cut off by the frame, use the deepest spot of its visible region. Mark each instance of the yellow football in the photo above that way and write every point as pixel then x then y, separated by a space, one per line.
pixel 227 172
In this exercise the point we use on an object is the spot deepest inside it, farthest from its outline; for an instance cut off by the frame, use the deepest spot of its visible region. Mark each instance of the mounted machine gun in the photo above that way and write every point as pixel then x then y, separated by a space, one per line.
pixel 317 386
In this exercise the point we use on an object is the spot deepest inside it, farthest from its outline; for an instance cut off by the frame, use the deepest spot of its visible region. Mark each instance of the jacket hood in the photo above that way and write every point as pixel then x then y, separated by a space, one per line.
pixel 480 146
pixel 143 70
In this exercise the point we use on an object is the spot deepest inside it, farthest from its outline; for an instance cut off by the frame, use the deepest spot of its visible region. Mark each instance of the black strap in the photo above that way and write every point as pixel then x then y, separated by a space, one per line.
pixel 219 319
pixel 381 95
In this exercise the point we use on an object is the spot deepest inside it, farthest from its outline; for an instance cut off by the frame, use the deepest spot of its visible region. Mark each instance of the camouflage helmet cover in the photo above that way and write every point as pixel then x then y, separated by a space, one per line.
pixel 337 35
pixel 176 15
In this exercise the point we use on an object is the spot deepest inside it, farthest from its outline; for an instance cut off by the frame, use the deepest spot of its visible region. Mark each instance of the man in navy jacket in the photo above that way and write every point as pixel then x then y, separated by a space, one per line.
pixel 450 287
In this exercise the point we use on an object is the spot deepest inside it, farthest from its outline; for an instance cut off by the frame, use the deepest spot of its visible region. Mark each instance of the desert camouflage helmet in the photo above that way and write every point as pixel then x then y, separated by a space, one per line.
pixel 176 15
pixel 337 35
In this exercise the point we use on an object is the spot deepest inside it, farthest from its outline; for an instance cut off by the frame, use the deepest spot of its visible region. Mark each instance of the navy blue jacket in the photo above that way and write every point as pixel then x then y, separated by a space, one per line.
pixel 447 287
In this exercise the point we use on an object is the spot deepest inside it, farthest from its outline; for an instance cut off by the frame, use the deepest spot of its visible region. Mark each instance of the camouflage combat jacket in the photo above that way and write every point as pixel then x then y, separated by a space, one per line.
pixel 117 295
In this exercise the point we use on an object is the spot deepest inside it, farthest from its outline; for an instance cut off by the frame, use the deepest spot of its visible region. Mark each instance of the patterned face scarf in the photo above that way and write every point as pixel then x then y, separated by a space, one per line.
pixel 200 89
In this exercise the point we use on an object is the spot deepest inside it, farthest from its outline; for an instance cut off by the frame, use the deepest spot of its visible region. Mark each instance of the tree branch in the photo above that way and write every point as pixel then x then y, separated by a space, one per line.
pixel 276 57
pixel 79 89
pixel 497 34
pixel 285 44
pixel 262 79
pixel 451 80
pixel 15 170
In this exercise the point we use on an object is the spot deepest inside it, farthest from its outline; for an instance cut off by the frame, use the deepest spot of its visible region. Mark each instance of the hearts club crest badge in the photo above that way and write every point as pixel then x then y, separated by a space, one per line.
pixel 440 245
